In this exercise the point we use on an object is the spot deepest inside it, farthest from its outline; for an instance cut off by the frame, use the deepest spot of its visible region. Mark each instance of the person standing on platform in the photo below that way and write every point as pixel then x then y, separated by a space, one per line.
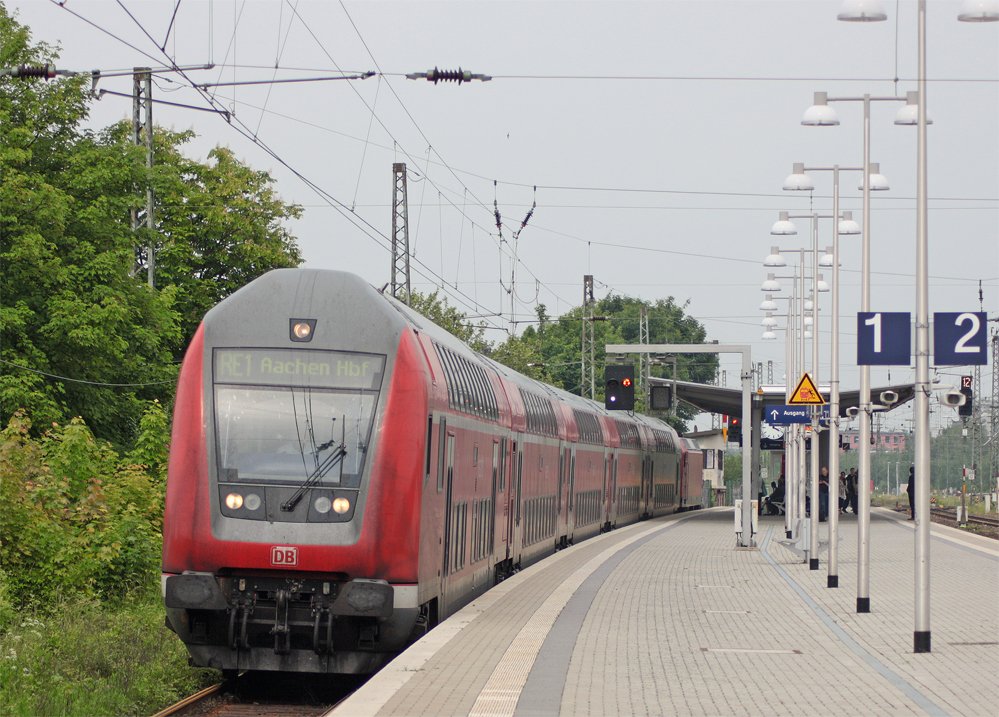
pixel 823 494
pixel 851 489
pixel 844 492
pixel 911 490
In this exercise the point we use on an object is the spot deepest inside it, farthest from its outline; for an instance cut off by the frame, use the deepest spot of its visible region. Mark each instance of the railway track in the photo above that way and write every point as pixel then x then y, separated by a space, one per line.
pixel 984 525
pixel 256 695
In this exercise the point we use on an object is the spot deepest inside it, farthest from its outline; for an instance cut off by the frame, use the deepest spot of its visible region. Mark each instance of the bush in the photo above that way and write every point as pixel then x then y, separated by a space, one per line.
pixel 74 518
pixel 80 658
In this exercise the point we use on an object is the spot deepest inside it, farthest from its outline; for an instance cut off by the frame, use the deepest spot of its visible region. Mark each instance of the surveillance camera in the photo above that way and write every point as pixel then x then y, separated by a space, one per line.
pixel 952 398
pixel 889 397
pixel 852 412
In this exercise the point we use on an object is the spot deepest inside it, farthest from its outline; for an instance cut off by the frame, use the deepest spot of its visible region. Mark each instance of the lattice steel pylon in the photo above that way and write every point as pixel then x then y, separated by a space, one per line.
pixel 400 234
pixel 142 136
pixel 645 366
pixel 589 377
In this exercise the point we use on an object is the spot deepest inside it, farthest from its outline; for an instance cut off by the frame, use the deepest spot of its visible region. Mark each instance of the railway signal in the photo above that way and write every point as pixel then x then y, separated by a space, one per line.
pixel 619 388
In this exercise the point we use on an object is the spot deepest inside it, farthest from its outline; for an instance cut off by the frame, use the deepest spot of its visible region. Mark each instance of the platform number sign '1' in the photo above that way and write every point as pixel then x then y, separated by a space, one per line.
pixel 884 338
pixel 959 338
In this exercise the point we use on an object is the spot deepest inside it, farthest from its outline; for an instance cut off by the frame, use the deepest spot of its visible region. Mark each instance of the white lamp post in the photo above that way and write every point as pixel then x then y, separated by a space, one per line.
pixel 821 115
pixel 844 225
pixel 971 11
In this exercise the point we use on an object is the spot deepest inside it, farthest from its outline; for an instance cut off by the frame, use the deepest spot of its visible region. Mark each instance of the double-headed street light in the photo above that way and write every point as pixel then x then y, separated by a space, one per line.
pixel 820 114
pixel 844 224
pixel 799 180
pixel 871 11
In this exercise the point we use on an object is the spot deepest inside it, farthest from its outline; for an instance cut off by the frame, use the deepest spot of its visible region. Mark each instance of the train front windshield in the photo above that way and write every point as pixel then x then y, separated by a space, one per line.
pixel 283 416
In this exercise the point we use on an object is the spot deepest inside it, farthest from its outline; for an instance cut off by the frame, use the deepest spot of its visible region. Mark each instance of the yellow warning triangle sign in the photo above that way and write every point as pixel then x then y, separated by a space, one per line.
pixel 806 394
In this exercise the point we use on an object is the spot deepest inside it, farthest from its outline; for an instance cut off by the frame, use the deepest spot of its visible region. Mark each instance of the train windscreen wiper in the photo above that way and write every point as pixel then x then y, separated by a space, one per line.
pixel 321 470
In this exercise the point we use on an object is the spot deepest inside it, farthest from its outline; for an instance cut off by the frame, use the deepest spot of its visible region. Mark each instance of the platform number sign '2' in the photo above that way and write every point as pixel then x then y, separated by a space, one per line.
pixel 884 338
pixel 959 338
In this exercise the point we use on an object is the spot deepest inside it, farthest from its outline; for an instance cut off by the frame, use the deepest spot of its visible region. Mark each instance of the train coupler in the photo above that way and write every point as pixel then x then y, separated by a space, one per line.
pixel 322 625
pixel 281 631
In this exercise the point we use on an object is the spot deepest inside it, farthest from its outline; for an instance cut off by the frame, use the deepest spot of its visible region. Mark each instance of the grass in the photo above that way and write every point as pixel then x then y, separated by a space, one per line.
pixel 88 659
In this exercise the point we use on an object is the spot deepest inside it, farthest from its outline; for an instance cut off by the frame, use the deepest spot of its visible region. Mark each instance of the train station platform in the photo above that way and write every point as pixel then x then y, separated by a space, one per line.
pixel 669 617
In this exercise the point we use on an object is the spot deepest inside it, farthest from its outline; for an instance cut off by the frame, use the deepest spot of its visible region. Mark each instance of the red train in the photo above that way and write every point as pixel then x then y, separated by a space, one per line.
pixel 344 474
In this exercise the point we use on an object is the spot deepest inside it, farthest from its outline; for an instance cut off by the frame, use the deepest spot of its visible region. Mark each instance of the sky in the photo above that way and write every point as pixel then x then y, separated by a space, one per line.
pixel 651 138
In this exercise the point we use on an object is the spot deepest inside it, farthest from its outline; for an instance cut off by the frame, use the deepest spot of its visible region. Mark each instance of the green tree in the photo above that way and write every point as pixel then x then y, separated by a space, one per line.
pixel 435 307
pixel 70 307
pixel 219 225
pixel 80 333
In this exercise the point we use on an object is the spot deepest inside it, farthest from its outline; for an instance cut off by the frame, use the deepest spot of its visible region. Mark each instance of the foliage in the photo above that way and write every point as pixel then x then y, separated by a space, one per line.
pixel 219 225
pixel 435 307
pixel 81 333
pixel 74 518
pixel 80 658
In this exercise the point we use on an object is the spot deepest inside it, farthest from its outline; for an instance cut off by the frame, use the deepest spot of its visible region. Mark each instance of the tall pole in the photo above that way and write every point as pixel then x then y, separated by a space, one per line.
pixel 588 378
pixel 400 234
pixel 802 472
pixel 813 558
pixel 832 579
pixel 921 633
pixel 142 124
pixel 790 496
pixel 864 459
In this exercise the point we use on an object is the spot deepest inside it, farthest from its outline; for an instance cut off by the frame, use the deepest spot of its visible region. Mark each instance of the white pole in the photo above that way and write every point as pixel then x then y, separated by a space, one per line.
pixel 921 633
pixel 832 579
pixel 864 460
pixel 813 558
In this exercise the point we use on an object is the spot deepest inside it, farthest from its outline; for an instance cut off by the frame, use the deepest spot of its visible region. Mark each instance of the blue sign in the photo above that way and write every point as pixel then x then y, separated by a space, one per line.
pixel 884 338
pixel 959 338
pixel 786 415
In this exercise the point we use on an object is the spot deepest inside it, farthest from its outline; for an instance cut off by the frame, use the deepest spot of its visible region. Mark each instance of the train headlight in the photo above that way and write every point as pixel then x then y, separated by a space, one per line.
pixel 252 501
pixel 301 329
pixel 323 504
pixel 234 501
pixel 341 505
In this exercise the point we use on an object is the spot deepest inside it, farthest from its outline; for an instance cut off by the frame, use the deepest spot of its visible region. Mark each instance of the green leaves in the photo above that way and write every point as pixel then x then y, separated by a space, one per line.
pixel 75 518
pixel 82 334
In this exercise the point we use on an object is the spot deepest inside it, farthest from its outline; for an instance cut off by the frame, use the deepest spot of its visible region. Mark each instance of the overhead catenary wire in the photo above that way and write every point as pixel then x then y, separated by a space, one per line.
pixel 242 129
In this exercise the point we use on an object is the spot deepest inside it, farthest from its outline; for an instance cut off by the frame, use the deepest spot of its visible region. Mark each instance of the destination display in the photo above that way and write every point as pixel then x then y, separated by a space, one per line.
pixel 297 367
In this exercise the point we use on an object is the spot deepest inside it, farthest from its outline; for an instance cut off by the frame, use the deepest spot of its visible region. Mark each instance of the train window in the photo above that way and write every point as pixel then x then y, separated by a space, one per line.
pixel 284 435
pixel 441 438
pixel 502 466
pixel 496 449
pixel 520 472
pixel 572 479
pixel 475 455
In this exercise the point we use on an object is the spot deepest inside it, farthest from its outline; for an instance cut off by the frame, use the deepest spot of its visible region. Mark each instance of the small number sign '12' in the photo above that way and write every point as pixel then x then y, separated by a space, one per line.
pixel 959 338
pixel 884 338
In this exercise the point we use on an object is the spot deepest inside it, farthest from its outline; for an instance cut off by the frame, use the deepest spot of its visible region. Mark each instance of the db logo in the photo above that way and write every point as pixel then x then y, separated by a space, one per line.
pixel 284 555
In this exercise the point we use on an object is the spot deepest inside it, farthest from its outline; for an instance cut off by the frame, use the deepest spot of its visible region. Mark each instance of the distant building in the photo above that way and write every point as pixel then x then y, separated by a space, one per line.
pixel 712 444
pixel 886 442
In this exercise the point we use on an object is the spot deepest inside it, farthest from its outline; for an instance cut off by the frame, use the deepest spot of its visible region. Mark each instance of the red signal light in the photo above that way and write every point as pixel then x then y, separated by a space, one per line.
pixel 626 382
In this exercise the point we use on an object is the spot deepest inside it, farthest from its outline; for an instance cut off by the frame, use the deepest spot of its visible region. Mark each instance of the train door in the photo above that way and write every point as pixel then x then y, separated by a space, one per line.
pixel 644 509
pixel 614 500
pixel 608 499
pixel 497 509
pixel 516 507
pixel 562 498
pixel 451 531
pixel 572 494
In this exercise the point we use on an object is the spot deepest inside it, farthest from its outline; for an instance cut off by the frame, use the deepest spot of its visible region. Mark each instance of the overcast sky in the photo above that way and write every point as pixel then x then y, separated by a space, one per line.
pixel 657 135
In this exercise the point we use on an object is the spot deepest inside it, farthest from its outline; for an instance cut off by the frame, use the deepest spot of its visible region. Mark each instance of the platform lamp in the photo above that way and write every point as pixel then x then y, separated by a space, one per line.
pixel 871 11
pixel 844 224
pixel 820 114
